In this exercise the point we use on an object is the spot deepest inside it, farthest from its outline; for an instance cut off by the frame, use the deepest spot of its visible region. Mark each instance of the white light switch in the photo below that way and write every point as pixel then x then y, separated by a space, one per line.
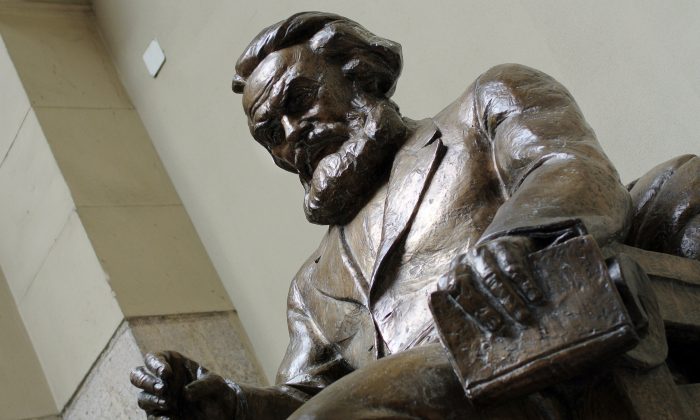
pixel 154 57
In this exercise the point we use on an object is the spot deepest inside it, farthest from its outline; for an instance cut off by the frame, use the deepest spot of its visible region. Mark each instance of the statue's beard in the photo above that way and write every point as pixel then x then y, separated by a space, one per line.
pixel 344 181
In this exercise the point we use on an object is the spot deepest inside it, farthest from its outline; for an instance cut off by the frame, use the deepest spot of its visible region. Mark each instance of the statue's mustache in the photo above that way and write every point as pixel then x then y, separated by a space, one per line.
pixel 320 141
pixel 338 184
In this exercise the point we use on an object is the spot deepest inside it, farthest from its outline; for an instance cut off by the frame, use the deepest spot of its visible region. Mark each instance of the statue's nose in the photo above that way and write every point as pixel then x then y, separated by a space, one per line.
pixel 293 129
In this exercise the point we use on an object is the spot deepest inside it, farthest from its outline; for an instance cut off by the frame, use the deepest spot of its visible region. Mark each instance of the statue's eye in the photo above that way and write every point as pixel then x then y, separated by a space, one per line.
pixel 300 96
pixel 269 134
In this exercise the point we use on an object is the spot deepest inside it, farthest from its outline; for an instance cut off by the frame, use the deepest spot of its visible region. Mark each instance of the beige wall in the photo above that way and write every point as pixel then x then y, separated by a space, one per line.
pixel 24 391
pixel 60 292
pixel 92 229
pixel 634 67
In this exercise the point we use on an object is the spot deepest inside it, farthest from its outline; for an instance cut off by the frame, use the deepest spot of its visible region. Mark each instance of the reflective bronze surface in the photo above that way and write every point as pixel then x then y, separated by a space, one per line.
pixel 501 215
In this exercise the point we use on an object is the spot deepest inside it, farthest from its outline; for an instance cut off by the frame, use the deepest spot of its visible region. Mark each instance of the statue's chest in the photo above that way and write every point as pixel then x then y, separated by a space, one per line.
pixel 364 233
pixel 458 204
pixel 455 209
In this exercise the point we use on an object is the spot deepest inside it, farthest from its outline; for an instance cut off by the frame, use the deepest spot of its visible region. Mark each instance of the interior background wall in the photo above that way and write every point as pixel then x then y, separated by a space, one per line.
pixel 633 66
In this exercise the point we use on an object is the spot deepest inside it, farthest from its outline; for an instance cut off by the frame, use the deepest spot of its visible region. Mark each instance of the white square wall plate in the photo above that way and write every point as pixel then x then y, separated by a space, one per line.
pixel 154 57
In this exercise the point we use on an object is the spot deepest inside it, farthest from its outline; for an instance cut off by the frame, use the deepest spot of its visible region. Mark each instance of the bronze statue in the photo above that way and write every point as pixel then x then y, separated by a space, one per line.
pixel 464 273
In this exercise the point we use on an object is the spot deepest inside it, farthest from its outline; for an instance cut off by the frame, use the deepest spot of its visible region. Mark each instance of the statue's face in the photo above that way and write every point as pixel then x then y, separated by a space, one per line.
pixel 314 122
pixel 298 107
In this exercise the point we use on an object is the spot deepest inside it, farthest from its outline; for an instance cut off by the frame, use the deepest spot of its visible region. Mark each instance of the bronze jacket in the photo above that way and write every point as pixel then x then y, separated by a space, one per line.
pixel 512 154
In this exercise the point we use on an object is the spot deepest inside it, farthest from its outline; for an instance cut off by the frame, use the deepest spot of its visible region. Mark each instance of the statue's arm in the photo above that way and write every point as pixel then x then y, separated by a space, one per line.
pixel 549 162
pixel 173 385
pixel 553 177
pixel 310 364
pixel 274 402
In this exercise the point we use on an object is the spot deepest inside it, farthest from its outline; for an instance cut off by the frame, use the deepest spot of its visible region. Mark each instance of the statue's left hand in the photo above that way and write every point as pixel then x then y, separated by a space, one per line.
pixel 493 282
pixel 175 387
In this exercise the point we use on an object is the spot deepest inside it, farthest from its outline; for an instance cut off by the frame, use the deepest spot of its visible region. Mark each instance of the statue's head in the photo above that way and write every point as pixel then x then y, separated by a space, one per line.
pixel 316 91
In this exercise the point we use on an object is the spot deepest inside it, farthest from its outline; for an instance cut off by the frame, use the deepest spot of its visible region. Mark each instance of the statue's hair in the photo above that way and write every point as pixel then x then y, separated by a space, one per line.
pixel 371 62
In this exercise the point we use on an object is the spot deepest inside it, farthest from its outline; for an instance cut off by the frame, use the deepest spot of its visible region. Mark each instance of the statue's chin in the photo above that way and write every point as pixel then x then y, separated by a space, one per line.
pixel 328 199
pixel 344 181
pixel 338 210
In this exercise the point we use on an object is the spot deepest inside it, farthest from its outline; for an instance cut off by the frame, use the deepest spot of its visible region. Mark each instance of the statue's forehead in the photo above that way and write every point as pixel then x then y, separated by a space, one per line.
pixel 269 77
pixel 263 77
pixel 270 68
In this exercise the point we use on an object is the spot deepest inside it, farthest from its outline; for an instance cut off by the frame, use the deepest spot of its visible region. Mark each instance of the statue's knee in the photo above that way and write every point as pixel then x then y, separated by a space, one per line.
pixel 313 410
pixel 309 416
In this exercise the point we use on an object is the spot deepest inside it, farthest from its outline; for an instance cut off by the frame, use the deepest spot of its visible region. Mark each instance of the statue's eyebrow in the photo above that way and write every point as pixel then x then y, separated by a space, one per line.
pixel 261 98
pixel 287 80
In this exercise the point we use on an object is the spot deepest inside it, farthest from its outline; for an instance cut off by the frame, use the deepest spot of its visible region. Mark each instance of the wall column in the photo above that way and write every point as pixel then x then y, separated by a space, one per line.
pixel 100 256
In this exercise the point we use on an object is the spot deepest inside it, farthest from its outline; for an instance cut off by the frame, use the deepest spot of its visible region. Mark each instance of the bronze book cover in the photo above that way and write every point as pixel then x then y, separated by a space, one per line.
pixel 581 321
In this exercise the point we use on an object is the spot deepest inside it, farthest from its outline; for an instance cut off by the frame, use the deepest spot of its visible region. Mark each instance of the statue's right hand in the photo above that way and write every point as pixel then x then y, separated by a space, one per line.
pixel 161 381
pixel 175 387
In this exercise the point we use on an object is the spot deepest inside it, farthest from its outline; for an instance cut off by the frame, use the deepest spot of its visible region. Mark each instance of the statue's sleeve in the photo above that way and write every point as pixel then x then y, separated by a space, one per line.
pixel 311 362
pixel 549 163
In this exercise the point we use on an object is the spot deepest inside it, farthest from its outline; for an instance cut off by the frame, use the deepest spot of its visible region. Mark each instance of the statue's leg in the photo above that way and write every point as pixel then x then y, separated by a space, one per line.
pixel 416 384
pixel 666 204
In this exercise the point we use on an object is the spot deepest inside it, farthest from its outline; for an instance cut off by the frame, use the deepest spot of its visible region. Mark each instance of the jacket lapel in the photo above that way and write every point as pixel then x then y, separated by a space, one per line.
pixel 338 278
pixel 411 173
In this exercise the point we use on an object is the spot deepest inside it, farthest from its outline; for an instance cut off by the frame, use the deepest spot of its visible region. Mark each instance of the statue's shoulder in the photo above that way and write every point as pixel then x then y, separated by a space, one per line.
pixel 515 84
pixel 503 89
pixel 504 86
pixel 510 75
pixel 307 273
